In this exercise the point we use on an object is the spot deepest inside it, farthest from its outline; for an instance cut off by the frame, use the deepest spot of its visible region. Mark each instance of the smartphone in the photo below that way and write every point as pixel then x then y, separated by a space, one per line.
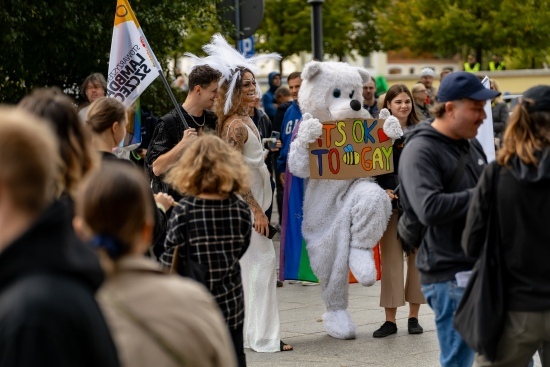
pixel 396 190
pixel 276 135
pixel 272 231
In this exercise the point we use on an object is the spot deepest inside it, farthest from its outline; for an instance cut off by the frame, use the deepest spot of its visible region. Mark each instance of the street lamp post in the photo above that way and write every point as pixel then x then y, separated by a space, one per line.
pixel 317 28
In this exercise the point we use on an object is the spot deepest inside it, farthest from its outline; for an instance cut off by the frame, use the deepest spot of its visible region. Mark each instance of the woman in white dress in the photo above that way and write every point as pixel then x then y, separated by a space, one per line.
pixel 237 90
pixel 261 326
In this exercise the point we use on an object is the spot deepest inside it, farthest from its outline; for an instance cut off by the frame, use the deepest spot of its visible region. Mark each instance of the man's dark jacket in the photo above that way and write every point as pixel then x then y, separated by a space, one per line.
pixel 167 134
pixel 48 313
pixel 427 164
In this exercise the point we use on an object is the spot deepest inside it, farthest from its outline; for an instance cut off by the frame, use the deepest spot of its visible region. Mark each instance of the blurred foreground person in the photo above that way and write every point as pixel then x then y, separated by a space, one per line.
pixel 517 188
pixel 156 319
pixel 48 314
pixel 75 146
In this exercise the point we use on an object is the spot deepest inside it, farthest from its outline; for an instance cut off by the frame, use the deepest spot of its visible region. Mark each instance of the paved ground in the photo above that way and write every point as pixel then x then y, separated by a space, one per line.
pixel 301 309
pixel 300 312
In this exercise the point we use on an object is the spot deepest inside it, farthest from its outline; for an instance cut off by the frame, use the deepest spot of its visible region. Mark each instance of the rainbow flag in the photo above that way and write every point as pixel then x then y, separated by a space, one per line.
pixel 133 131
pixel 293 256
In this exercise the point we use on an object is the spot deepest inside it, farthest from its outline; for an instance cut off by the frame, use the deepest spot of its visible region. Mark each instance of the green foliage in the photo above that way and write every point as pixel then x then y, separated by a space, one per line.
pixel 347 25
pixel 59 43
pixel 448 27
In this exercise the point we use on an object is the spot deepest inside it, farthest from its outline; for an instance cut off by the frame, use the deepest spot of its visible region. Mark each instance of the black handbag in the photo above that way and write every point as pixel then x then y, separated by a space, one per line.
pixel 190 268
pixel 480 313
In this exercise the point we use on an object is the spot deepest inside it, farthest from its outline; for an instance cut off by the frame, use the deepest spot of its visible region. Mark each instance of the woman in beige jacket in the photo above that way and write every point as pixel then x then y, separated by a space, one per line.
pixel 155 319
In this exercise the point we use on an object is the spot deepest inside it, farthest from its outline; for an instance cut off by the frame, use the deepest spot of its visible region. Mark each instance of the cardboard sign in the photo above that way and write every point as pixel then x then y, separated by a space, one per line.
pixel 351 148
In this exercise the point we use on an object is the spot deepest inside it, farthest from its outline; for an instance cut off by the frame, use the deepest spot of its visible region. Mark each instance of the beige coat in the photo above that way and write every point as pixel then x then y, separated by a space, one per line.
pixel 181 311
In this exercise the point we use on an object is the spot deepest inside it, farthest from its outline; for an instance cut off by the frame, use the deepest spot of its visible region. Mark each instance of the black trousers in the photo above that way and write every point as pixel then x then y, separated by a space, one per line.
pixel 238 343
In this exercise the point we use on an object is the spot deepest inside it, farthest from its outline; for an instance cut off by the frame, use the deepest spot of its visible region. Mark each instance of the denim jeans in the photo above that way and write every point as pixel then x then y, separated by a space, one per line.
pixel 443 299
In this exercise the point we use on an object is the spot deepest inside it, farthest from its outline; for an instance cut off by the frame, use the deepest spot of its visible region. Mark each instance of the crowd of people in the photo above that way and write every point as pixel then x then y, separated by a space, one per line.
pixel 88 238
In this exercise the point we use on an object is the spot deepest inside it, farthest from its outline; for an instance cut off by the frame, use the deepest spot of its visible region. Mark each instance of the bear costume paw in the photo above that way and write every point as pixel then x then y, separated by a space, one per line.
pixel 392 128
pixel 339 324
pixel 361 263
pixel 310 130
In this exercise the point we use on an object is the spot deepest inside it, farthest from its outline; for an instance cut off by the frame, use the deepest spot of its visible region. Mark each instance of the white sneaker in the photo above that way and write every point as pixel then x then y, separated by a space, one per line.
pixel 294 281
pixel 305 283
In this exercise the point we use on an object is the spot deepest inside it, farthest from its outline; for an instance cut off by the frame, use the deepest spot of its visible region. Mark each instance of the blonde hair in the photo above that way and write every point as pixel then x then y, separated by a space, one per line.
pixel 209 166
pixel 494 84
pixel 525 134
pixel 75 145
pixel 29 160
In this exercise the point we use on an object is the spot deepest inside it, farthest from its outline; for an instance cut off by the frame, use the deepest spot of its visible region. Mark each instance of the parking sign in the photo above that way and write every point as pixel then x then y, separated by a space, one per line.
pixel 246 46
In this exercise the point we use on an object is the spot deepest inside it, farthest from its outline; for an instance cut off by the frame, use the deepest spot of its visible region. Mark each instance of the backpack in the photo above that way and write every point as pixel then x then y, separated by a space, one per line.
pixel 409 228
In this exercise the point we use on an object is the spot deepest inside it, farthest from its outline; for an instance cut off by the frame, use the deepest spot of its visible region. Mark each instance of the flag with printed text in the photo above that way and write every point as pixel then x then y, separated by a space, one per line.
pixel 131 61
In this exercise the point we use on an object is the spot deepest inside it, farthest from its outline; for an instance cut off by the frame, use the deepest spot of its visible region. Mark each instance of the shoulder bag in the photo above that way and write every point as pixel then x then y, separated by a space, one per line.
pixel 478 318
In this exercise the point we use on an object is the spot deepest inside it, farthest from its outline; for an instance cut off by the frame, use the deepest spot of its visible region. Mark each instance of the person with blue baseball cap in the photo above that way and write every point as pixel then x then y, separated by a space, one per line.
pixel 439 167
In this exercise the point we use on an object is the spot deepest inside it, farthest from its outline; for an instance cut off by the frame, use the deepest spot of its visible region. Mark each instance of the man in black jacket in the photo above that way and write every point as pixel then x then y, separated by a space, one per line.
pixel 48 278
pixel 169 139
pixel 428 163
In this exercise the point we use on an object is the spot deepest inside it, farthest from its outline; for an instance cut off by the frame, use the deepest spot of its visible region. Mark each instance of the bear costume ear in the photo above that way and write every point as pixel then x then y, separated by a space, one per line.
pixel 311 69
pixel 365 76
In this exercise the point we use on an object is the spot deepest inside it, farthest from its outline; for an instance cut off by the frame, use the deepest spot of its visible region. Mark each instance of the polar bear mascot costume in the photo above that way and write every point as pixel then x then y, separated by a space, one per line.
pixel 343 219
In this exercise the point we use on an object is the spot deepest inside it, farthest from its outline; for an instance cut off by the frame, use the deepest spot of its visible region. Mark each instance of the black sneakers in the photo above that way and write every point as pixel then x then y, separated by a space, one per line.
pixel 386 329
pixel 389 328
pixel 414 326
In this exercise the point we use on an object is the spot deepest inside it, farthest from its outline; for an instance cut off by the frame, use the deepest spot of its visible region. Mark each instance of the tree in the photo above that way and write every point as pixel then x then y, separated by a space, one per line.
pixel 59 43
pixel 447 27
pixel 348 25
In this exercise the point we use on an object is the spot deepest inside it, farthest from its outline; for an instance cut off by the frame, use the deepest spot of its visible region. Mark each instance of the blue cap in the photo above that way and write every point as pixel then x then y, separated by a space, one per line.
pixel 460 85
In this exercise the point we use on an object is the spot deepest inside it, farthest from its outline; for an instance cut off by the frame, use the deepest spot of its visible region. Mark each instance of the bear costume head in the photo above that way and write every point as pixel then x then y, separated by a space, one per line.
pixel 333 91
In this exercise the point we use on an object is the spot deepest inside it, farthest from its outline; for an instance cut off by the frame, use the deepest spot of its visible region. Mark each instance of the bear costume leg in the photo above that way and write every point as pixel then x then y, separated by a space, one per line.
pixel 335 289
pixel 371 210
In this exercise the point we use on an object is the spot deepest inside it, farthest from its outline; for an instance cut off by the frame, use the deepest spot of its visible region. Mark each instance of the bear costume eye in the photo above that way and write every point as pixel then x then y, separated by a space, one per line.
pixel 351 94
pixel 336 93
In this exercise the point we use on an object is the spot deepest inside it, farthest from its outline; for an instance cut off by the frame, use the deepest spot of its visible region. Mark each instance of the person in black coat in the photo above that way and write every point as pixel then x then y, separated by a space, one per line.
pixel 48 278
pixel 522 200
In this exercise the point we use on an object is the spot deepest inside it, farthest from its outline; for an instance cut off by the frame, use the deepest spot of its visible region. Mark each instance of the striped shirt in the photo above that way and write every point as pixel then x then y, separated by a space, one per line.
pixel 219 234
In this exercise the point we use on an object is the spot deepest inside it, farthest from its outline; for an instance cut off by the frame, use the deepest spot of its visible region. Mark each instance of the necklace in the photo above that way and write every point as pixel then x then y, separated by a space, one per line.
pixel 195 121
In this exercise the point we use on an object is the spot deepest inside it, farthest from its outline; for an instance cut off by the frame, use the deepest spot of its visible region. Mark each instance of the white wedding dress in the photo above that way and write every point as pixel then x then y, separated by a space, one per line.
pixel 258 265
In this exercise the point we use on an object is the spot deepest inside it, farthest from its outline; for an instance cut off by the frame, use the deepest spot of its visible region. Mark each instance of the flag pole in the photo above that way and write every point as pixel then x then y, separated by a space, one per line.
pixel 176 104
pixel 166 85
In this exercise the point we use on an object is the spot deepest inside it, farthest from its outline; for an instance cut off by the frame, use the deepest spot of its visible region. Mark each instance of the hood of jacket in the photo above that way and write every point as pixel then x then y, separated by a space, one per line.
pixel 531 173
pixel 270 77
pixel 50 246
pixel 425 128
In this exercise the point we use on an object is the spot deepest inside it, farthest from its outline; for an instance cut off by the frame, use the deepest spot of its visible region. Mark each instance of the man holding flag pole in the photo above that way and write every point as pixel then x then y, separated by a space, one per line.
pixel 132 68
pixel 132 64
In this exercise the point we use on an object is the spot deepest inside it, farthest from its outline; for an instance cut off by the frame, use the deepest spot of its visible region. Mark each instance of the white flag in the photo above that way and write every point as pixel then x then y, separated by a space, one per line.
pixel 131 62
pixel 485 134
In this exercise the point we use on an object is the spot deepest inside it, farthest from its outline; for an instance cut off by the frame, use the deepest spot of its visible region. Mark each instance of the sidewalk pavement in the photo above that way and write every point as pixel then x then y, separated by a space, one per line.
pixel 301 309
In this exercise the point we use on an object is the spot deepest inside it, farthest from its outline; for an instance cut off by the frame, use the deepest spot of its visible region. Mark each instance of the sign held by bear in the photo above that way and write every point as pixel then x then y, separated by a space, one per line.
pixel 351 148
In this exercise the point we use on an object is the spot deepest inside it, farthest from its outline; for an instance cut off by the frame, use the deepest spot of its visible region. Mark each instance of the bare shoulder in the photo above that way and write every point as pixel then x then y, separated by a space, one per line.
pixel 235 132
